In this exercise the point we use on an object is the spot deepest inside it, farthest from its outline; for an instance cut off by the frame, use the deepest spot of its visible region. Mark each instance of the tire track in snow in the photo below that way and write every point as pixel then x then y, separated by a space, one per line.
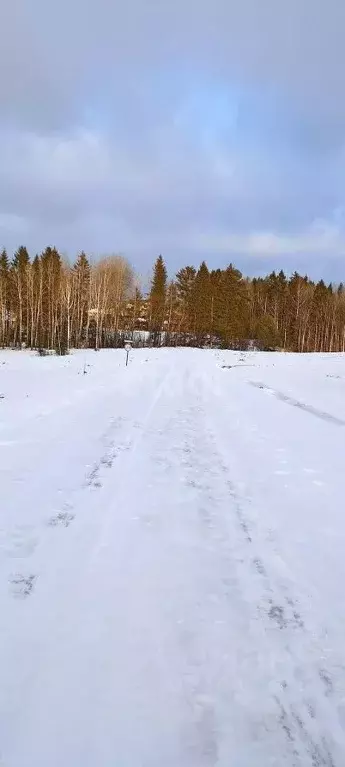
pixel 112 450
pixel 127 455
pixel 199 735
pixel 282 723
pixel 308 710
pixel 307 716
pixel 300 405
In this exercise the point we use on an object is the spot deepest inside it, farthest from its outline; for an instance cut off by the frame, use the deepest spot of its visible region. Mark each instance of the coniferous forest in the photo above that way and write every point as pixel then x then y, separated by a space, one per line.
pixel 47 303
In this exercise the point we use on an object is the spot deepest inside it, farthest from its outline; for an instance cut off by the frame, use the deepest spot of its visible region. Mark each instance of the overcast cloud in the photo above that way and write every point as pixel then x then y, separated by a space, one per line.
pixel 197 128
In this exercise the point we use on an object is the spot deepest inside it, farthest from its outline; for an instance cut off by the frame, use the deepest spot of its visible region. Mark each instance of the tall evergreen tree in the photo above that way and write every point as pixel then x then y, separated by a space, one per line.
pixel 185 280
pixel 158 294
pixel 4 298
pixel 4 263
pixel 266 332
pixel 231 306
pixel 82 285
pixel 202 303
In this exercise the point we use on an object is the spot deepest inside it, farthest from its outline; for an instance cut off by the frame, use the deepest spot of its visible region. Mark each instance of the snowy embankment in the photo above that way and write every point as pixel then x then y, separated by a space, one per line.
pixel 172 542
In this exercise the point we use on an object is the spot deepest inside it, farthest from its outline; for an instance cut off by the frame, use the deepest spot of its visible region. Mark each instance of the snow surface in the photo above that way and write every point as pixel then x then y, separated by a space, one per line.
pixel 172 559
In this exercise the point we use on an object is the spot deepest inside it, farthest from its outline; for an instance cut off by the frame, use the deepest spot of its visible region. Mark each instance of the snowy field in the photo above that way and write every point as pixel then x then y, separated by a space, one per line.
pixel 172 559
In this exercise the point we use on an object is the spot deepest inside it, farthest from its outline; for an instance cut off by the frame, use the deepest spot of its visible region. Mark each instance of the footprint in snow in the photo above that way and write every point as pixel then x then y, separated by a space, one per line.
pixel 61 519
pixel 22 585
pixel 327 681
pixel 276 614
pixel 107 461
pixel 283 619
pixel 259 566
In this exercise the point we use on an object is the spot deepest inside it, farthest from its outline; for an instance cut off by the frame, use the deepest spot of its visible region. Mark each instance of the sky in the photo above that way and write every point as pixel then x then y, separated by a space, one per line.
pixel 199 129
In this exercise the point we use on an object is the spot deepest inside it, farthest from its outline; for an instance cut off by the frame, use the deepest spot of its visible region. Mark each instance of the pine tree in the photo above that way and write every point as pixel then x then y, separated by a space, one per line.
pixel 4 263
pixel 185 280
pixel 319 315
pixel 231 306
pixel 218 303
pixel 266 332
pixel 280 307
pixel 171 313
pixel 81 298
pixel 4 298
pixel 202 303
pixel 158 296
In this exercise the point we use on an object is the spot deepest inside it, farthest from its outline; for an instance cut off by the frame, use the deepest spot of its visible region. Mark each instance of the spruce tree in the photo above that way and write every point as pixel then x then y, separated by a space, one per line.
pixel 185 280
pixel 4 262
pixel 266 332
pixel 81 283
pixel 231 306
pixel 4 298
pixel 202 303
pixel 158 296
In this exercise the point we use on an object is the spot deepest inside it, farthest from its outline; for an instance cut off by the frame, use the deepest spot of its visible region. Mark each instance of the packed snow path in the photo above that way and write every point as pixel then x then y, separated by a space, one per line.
pixel 172 540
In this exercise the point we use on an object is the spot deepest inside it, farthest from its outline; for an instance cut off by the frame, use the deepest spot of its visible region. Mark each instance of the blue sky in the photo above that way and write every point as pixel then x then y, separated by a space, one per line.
pixel 193 129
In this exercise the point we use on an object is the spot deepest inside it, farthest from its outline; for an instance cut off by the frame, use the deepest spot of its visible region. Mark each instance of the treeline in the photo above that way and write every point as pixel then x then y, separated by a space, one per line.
pixel 51 304
pixel 47 303
pixel 223 306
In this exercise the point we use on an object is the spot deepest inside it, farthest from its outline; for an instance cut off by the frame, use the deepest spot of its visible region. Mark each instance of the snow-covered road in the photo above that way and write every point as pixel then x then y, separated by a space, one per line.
pixel 172 560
